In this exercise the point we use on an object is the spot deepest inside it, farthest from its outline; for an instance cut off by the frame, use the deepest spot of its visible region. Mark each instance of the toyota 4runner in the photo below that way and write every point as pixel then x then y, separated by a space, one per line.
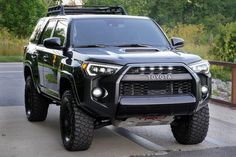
pixel 105 67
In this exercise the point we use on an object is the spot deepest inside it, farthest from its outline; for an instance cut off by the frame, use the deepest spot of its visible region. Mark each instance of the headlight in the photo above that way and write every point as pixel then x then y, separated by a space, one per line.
pixel 201 67
pixel 94 69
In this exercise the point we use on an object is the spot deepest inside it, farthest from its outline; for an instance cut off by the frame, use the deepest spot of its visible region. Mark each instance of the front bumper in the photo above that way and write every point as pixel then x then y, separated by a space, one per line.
pixel 116 106
pixel 164 105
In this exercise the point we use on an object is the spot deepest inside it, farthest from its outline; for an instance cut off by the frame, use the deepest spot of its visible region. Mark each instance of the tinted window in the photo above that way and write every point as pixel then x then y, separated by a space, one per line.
pixel 117 31
pixel 60 31
pixel 48 31
pixel 37 31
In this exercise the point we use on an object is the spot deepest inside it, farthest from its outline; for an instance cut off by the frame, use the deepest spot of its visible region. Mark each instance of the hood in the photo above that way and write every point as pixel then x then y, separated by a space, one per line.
pixel 123 56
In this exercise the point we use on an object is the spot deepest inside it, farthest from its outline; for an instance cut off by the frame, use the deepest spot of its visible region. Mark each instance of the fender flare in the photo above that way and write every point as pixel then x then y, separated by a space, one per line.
pixel 68 76
pixel 28 65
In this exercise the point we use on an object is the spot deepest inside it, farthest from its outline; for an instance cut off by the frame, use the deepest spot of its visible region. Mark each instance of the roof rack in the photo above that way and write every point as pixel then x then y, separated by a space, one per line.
pixel 83 9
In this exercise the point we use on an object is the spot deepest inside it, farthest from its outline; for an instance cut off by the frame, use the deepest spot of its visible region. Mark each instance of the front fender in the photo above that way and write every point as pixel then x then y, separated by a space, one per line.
pixel 70 72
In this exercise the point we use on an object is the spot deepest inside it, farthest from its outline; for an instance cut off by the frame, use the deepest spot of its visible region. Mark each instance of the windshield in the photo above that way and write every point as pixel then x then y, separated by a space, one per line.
pixel 117 32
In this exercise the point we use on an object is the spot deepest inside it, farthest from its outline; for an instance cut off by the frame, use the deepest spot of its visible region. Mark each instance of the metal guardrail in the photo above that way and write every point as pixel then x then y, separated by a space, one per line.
pixel 233 80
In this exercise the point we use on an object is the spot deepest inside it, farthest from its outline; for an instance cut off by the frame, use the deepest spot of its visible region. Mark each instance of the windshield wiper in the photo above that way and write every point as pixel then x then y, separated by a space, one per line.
pixel 134 45
pixel 91 46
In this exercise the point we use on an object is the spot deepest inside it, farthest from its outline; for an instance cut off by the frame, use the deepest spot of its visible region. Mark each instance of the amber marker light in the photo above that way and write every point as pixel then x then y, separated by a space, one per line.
pixel 84 66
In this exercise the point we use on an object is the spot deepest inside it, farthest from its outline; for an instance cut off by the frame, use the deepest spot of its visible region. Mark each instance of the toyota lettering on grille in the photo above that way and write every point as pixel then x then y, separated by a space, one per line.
pixel 160 77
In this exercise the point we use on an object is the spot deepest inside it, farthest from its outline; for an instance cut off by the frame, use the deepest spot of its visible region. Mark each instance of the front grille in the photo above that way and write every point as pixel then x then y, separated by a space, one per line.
pixel 133 85
pixel 155 88
pixel 157 70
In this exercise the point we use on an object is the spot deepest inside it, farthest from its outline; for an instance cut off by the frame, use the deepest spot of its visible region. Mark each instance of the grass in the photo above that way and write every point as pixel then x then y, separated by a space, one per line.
pixel 11 46
pixel 223 73
pixel 201 50
pixel 11 58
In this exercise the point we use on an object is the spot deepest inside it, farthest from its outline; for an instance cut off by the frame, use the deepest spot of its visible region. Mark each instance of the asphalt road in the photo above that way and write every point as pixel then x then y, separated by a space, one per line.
pixel 17 135
pixel 11 84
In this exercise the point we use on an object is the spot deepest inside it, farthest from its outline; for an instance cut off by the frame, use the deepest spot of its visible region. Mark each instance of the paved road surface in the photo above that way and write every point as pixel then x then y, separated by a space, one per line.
pixel 11 84
pixel 21 138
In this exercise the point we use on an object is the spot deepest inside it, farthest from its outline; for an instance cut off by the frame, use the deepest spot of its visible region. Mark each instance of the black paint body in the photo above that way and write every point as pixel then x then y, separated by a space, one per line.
pixel 54 70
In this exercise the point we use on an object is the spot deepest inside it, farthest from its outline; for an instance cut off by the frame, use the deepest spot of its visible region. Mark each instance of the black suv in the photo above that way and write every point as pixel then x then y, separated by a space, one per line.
pixel 104 67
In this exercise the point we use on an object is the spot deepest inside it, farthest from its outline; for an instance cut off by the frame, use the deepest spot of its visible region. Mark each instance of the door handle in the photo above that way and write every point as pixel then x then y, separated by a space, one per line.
pixel 45 58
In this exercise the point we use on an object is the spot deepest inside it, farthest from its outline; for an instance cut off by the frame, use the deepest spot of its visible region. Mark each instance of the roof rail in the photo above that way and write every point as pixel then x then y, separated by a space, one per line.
pixel 83 9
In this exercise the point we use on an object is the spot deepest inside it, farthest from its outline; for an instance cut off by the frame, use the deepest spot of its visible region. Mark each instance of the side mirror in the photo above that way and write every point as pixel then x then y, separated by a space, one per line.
pixel 52 43
pixel 177 42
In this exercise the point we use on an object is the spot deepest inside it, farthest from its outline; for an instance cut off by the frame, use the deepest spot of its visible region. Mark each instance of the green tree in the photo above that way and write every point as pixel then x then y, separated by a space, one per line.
pixel 133 7
pixel 224 47
pixel 20 16
pixel 167 12
pixel 207 12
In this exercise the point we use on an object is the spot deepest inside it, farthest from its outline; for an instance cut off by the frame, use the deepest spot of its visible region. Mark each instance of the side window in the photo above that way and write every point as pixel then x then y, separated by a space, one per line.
pixel 48 30
pixel 60 31
pixel 37 31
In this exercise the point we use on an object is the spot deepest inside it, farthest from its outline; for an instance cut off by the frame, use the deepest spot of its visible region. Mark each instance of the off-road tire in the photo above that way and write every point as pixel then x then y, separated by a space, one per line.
pixel 191 129
pixel 36 106
pixel 77 128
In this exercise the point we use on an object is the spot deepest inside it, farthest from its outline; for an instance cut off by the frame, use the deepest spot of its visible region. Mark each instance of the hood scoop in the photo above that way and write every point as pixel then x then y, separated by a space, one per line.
pixel 140 50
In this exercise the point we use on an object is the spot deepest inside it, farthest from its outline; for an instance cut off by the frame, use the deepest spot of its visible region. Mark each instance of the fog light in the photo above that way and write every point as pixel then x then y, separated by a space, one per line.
pixel 142 68
pixel 204 89
pixel 152 68
pixel 97 92
pixel 170 68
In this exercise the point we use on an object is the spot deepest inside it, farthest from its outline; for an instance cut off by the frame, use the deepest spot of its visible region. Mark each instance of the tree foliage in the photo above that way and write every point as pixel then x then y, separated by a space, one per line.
pixel 169 12
pixel 20 16
pixel 200 22
pixel 225 43
pixel 134 7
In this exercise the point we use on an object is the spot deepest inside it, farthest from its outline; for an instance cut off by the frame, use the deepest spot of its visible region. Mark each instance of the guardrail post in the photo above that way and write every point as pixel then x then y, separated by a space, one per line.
pixel 233 95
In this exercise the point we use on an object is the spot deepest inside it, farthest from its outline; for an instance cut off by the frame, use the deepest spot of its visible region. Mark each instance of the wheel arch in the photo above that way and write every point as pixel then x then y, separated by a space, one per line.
pixel 67 82
pixel 27 71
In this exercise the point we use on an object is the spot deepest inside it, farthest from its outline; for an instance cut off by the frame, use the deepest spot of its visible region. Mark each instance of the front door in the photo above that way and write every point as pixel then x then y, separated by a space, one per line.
pixel 43 52
pixel 53 60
